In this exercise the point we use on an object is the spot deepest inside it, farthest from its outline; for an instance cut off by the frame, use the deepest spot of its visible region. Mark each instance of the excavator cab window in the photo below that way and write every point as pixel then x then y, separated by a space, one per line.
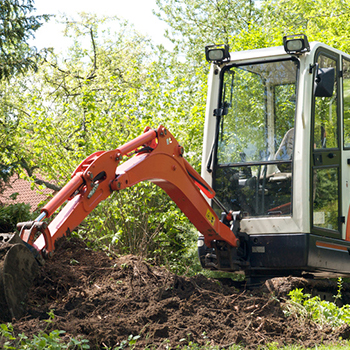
pixel 346 89
pixel 326 155
pixel 254 151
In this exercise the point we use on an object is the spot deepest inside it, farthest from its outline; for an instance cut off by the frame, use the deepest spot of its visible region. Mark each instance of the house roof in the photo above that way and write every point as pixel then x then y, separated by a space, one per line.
pixel 25 193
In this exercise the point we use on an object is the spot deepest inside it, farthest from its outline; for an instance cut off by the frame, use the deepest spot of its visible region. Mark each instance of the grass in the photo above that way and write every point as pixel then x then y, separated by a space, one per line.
pixel 53 341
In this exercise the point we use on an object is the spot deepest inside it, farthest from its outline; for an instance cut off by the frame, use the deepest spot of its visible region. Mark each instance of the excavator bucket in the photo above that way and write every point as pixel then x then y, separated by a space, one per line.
pixel 18 269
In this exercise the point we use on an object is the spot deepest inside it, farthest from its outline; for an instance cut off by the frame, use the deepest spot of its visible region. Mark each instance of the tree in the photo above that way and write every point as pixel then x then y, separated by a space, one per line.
pixel 104 92
pixel 17 25
pixel 95 98
pixel 320 20
pixel 196 23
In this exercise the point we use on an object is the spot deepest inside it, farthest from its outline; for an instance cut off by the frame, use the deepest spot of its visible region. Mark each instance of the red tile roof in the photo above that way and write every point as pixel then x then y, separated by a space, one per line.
pixel 25 194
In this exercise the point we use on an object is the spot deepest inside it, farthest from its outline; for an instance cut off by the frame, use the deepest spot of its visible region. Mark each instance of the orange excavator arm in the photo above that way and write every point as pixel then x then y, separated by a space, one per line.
pixel 154 156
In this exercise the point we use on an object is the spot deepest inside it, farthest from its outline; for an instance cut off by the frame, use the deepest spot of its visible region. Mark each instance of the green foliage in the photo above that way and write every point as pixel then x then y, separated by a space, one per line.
pixel 142 221
pixel 91 101
pixel 320 311
pixel 129 343
pixel 323 21
pixel 196 23
pixel 17 25
pixel 11 214
pixel 42 341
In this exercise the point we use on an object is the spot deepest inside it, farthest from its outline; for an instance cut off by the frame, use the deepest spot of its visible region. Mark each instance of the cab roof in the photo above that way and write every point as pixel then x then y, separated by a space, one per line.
pixel 276 52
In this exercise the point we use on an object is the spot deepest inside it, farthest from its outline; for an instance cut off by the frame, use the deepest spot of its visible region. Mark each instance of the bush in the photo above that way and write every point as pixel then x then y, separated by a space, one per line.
pixel 11 214
pixel 320 311
pixel 142 220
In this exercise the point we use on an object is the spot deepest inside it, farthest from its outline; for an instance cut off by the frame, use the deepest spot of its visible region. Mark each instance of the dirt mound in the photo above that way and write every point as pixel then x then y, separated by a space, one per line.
pixel 106 299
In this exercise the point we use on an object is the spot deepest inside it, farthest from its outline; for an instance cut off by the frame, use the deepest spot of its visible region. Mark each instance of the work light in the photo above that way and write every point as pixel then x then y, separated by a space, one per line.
pixel 296 44
pixel 217 53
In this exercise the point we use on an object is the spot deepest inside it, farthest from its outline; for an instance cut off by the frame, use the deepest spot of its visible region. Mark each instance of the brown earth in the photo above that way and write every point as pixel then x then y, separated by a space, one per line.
pixel 106 299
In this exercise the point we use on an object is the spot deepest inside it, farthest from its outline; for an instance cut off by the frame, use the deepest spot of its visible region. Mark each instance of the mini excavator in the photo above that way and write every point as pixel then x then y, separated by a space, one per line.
pixel 273 197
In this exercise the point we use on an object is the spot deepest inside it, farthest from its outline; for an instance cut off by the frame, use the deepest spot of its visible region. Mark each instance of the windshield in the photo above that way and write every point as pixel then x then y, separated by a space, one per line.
pixel 254 151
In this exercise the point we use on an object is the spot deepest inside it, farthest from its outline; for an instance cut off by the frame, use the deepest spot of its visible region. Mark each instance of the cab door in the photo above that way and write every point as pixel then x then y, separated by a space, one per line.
pixel 346 144
pixel 325 175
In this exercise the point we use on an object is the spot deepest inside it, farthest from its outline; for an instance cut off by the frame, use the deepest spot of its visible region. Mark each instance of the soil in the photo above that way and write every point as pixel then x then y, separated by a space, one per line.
pixel 106 299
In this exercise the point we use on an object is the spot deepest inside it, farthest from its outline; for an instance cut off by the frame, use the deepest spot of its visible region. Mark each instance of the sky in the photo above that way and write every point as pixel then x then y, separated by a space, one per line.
pixel 138 12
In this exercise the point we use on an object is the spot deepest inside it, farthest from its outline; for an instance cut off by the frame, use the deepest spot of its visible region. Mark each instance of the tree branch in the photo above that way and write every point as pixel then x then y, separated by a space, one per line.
pixel 37 181
pixel 49 185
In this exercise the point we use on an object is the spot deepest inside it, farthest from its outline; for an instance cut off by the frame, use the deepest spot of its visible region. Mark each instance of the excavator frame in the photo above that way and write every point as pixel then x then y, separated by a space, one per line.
pixel 281 225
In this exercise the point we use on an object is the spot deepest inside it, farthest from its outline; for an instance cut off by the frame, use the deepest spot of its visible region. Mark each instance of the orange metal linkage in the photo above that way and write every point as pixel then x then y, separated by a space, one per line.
pixel 158 159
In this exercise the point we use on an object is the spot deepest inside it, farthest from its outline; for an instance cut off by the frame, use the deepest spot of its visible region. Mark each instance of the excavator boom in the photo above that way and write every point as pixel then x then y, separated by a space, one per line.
pixel 157 157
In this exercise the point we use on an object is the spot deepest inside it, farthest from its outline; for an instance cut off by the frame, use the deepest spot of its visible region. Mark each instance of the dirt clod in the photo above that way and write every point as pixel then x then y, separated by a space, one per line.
pixel 105 300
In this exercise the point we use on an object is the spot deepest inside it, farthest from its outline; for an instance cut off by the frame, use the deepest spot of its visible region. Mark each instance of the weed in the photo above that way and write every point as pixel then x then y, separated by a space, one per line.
pixel 74 262
pixel 320 311
pixel 338 296
pixel 130 342
pixel 41 341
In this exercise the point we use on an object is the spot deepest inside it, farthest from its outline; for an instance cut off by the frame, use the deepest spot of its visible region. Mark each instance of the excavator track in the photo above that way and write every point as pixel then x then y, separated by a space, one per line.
pixel 18 269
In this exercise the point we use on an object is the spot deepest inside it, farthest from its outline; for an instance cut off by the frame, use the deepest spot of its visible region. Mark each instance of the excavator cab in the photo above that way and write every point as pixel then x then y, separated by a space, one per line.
pixel 276 148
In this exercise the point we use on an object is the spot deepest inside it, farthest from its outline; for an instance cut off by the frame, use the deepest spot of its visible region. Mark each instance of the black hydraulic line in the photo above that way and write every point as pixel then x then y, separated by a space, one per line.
pixel 200 182
pixel 216 201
